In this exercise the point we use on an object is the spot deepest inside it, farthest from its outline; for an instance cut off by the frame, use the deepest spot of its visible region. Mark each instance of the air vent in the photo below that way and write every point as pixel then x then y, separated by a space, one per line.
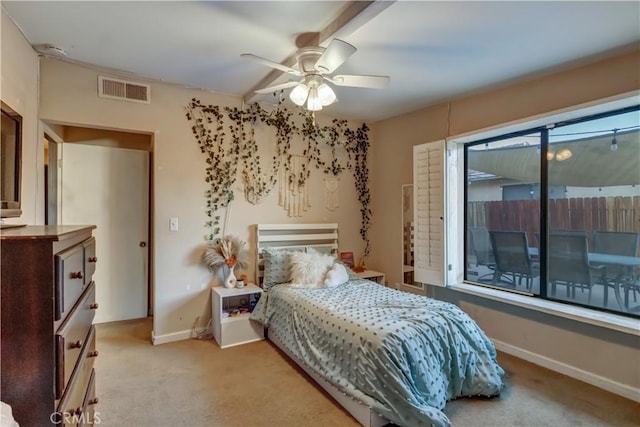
pixel 121 89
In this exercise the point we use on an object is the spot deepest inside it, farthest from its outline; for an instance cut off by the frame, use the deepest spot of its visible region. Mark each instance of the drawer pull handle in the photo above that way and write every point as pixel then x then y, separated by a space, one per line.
pixel 93 401
pixel 93 353
pixel 77 344
pixel 77 275
pixel 94 306
pixel 93 259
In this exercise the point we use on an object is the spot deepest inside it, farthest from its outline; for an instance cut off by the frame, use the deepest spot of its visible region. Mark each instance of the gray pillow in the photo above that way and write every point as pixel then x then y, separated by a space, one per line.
pixel 276 267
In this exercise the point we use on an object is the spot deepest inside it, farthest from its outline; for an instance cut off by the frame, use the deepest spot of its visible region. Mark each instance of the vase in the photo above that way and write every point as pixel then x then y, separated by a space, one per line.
pixel 230 280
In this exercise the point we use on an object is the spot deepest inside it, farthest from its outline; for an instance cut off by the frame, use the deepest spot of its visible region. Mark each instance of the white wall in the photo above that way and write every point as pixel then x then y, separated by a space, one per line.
pixel 19 90
pixel 69 96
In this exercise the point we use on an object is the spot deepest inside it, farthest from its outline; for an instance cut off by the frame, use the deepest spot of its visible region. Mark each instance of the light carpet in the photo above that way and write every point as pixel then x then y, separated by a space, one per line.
pixel 195 383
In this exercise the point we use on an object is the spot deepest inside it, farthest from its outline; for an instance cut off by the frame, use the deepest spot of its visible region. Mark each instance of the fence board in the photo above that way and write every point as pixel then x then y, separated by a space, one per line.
pixel 602 213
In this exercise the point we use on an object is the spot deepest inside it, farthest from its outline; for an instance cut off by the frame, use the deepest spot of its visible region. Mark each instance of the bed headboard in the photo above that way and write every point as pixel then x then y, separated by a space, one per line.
pixel 323 237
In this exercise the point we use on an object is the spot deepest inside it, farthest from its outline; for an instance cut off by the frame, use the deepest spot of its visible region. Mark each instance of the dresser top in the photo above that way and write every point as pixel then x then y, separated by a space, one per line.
pixel 44 232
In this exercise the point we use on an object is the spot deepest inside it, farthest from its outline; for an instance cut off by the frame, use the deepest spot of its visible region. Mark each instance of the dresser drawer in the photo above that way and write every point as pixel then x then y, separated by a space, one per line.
pixel 79 389
pixel 90 259
pixel 73 409
pixel 75 337
pixel 69 280
pixel 90 416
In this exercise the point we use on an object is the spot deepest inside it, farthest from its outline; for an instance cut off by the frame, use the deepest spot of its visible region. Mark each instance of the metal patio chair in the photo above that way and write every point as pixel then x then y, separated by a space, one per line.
pixel 511 252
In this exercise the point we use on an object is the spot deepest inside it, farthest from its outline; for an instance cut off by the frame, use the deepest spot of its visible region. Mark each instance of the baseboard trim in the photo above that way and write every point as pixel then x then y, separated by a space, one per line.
pixel 615 387
pixel 167 338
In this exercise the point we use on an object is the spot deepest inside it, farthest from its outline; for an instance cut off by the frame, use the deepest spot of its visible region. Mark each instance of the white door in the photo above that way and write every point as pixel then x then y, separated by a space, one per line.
pixel 109 187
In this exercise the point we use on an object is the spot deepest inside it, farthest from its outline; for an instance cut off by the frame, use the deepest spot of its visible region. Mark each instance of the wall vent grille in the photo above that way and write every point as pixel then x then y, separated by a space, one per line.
pixel 109 87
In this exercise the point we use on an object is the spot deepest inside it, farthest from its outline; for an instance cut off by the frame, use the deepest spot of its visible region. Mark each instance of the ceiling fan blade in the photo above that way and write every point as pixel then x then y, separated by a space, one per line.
pixel 276 88
pixel 373 82
pixel 334 56
pixel 272 64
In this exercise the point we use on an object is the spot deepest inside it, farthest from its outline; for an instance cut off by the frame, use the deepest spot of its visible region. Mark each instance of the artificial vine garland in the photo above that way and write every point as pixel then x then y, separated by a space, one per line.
pixel 221 169
pixel 225 154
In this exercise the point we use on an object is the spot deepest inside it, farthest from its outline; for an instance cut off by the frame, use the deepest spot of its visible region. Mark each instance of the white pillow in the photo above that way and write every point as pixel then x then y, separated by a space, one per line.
pixel 309 269
pixel 337 275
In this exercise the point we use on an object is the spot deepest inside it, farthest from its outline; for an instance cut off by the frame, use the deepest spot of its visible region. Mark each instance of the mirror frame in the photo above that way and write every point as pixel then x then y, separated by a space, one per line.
pixel 12 207
pixel 407 206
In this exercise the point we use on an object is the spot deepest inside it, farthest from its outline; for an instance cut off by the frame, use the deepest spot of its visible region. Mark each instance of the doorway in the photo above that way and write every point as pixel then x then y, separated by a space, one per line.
pixel 105 180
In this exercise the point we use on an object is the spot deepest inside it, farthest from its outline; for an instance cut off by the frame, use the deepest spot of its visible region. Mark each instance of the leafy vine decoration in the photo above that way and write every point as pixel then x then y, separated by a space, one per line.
pixel 221 169
pixel 225 155
pixel 257 182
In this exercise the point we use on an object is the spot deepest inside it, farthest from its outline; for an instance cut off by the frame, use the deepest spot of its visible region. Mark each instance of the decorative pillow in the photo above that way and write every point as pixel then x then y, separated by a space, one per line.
pixel 352 274
pixel 319 249
pixel 337 275
pixel 309 269
pixel 276 267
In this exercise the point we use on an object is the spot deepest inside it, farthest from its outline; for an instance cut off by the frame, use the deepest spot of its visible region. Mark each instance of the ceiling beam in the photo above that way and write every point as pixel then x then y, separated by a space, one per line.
pixel 354 16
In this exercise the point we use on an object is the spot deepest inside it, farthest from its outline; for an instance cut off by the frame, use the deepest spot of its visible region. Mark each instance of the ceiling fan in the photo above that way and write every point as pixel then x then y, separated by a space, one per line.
pixel 315 64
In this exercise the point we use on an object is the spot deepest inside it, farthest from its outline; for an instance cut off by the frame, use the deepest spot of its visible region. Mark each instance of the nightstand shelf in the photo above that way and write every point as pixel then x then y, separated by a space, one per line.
pixel 372 275
pixel 230 327
pixel 238 318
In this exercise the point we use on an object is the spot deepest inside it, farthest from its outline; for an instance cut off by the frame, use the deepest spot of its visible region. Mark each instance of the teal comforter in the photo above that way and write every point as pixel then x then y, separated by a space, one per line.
pixel 402 354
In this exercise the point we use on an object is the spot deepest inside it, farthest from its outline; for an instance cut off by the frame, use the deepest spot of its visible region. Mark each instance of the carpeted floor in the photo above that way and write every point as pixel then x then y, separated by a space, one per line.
pixel 195 383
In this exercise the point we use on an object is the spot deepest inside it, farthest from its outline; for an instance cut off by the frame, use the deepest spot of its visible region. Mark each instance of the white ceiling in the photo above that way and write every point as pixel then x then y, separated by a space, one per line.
pixel 432 50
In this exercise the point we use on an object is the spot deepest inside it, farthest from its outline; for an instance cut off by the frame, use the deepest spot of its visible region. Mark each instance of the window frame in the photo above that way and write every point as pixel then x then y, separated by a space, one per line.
pixel 457 205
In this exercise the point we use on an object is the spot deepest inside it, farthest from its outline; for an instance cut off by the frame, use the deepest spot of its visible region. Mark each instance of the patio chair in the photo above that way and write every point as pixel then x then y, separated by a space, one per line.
pixel 511 252
pixel 481 247
pixel 617 243
pixel 569 263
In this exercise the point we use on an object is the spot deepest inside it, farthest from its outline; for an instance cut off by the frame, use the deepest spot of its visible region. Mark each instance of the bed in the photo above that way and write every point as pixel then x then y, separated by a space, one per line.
pixel 384 355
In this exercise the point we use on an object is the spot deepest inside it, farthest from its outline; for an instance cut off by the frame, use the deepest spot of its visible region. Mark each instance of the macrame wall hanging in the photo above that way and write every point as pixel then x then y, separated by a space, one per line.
pixel 294 194
pixel 251 183
pixel 331 200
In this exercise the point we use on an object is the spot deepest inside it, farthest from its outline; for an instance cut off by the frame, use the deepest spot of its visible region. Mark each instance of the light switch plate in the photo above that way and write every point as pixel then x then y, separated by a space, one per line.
pixel 173 224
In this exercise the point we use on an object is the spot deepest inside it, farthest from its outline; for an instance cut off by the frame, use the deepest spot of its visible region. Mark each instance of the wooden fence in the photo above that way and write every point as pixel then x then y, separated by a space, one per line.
pixel 588 213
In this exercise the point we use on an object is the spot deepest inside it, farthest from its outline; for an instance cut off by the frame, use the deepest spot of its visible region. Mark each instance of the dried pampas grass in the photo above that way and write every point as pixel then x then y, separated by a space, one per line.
pixel 227 251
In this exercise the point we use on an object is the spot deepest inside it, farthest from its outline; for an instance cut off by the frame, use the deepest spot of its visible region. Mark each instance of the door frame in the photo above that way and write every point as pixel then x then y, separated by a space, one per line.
pixel 52 196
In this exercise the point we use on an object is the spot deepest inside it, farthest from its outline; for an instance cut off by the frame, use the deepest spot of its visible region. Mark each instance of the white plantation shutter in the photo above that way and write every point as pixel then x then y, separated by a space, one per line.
pixel 428 211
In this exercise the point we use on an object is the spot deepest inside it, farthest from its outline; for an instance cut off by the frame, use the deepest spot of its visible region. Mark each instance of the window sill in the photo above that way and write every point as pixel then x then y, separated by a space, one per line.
pixel 606 320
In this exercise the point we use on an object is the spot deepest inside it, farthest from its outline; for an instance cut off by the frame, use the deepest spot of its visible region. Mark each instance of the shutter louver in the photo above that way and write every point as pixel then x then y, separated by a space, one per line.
pixel 428 187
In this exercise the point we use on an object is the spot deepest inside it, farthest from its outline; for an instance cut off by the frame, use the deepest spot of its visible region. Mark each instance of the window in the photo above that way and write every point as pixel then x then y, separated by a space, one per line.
pixel 554 211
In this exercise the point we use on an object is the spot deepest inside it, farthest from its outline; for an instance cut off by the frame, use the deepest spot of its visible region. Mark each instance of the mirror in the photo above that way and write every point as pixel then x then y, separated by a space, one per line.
pixel 407 234
pixel 10 162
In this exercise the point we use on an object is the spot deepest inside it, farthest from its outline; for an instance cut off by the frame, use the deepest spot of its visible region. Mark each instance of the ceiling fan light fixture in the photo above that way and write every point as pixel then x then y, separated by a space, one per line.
pixel 326 94
pixel 313 102
pixel 299 94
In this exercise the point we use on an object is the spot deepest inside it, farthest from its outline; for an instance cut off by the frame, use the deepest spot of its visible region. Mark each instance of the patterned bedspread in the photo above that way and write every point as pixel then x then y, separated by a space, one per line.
pixel 402 354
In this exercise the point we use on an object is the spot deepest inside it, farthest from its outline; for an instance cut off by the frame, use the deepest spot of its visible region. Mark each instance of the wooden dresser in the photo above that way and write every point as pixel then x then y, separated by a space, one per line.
pixel 47 342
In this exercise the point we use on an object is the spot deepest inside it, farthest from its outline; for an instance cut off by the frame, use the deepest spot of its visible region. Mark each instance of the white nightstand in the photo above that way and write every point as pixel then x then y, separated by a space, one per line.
pixel 230 328
pixel 375 276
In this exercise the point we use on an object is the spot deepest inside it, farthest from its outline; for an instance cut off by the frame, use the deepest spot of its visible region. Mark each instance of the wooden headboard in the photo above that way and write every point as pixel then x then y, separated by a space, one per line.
pixel 323 237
